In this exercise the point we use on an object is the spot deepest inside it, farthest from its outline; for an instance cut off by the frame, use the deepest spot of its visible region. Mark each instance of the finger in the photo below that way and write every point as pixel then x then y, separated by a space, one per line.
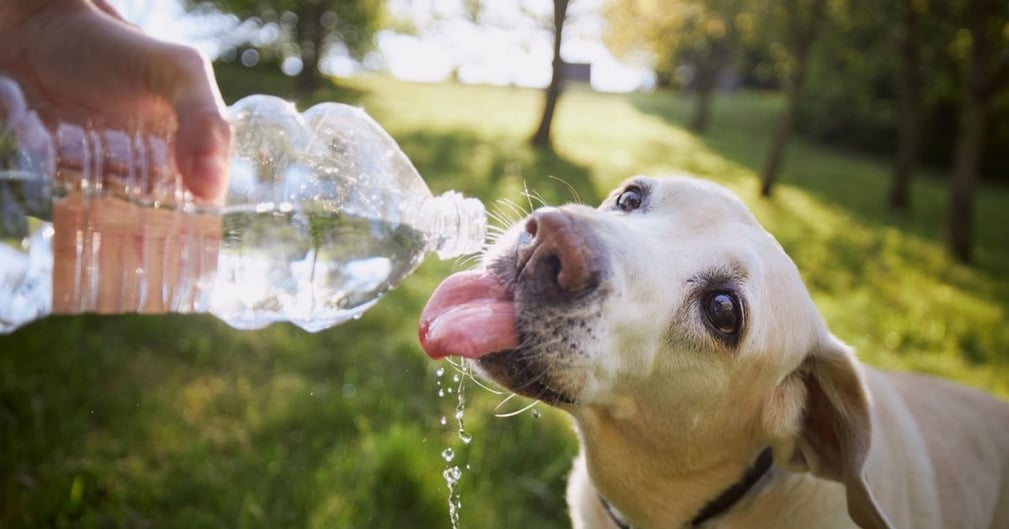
pixel 202 143
pixel 109 10
pixel 203 139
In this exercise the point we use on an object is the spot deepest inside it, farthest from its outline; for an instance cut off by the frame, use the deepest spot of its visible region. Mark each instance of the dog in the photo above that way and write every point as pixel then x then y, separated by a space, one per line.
pixel 706 389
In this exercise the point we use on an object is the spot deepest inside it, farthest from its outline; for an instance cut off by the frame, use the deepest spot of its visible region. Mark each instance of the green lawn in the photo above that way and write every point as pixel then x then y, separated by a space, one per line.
pixel 182 422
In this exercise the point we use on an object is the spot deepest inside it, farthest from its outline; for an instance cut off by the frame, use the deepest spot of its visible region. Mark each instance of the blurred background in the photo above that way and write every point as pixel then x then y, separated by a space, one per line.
pixel 871 137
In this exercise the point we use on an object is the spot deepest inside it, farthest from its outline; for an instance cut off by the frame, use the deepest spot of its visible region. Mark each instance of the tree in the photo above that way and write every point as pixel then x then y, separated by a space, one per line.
pixel 908 132
pixel 308 29
pixel 710 58
pixel 987 71
pixel 802 22
pixel 553 91
pixel 703 36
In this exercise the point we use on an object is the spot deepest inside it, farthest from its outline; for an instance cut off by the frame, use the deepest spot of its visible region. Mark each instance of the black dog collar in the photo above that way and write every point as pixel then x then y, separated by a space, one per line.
pixel 723 502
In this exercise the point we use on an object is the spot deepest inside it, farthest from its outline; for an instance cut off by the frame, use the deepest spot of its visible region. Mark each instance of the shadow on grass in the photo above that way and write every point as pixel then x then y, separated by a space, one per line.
pixel 179 421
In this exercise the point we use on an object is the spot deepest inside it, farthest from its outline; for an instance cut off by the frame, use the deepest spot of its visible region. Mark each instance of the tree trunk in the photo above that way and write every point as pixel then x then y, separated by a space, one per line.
pixel 553 91
pixel 980 87
pixel 802 33
pixel 702 101
pixel 708 68
pixel 777 156
pixel 910 112
pixel 720 53
pixel 312 38
pixel 969 143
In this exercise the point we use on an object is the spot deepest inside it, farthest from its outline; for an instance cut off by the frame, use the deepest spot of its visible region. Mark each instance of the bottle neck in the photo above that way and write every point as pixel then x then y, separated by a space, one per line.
pixel 457 225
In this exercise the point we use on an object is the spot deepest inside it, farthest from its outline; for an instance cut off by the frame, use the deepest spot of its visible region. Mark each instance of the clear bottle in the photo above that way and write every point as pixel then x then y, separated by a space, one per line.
pixel 323 215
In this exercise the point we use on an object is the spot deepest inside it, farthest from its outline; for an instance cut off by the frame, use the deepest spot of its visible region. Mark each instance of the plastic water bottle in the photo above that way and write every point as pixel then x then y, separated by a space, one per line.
pixel 324 214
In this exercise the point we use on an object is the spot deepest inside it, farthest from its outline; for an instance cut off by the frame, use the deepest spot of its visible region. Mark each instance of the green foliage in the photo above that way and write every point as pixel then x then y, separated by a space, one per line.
pixel 304 29
pixel 351 23
pixel 682 32
pixel 180 421
pixel 853 86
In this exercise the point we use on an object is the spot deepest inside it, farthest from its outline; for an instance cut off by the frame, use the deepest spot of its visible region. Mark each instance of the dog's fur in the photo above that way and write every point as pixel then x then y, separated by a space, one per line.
pixel 670 410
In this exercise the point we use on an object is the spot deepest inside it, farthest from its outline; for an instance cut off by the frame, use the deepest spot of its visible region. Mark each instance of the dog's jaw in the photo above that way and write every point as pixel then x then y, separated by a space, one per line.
pixel 553 359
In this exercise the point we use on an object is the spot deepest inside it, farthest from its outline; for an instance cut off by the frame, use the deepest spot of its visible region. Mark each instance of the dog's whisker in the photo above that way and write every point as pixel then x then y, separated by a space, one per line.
pixel 465 261
pixel 514 209
pixel 462 368
pixel 517 412
pixel 505 400
pixel 525 193
pixel 470 261
pixel 504 212
pixel 571 189
pixel 493 234
pixel 478 382
pixel 517 208
pixel 496 229
pixel 534 197
pixel 505 203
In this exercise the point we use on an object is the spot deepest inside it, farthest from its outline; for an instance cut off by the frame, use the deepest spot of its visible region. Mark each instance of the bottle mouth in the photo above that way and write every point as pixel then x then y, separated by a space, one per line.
pixel 459 224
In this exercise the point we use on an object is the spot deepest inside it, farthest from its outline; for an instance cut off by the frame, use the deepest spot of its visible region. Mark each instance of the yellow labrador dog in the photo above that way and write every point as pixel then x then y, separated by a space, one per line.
pixel 705 387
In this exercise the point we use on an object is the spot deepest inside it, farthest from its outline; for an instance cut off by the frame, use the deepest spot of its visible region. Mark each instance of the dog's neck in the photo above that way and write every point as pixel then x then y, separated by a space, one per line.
pixel 718 505
pixel 664 482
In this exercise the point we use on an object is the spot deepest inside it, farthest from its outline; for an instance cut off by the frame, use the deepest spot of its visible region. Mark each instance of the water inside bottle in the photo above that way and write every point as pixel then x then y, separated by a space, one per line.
pixel 250 266
pixel 313 268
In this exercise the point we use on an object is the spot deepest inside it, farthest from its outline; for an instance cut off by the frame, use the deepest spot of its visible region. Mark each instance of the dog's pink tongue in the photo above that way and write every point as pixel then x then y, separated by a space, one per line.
pixel 470 314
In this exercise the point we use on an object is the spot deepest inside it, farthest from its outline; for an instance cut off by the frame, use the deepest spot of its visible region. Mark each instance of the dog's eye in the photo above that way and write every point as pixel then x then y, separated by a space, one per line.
pixel 630 199
pixel 722 309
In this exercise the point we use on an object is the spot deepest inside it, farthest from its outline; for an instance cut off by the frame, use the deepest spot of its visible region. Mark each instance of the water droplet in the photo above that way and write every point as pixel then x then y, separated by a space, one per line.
pixel 452 476
pixel 453 473
pixel 536 414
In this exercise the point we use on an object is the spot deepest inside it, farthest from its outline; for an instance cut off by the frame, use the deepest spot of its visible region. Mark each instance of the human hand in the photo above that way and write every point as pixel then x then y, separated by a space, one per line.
pixel 79 60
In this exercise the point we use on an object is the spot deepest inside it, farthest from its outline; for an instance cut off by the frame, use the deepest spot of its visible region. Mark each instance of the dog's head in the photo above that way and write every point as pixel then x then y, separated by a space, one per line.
pixel 670 310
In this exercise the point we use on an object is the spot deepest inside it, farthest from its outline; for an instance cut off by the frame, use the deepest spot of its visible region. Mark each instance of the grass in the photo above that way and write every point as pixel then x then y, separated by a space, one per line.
pixel 179 421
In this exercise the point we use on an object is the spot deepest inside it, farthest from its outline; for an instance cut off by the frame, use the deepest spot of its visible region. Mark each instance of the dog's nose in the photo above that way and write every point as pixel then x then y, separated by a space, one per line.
pixel 557 252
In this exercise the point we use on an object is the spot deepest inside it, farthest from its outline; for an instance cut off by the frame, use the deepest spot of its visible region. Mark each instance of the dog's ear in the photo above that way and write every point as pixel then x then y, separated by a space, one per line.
pixel 835 430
